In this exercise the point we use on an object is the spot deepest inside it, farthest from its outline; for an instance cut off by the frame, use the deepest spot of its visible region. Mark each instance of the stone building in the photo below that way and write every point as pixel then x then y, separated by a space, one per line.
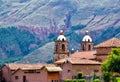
pixel 61 47
pixel 104 49
pixel 88 60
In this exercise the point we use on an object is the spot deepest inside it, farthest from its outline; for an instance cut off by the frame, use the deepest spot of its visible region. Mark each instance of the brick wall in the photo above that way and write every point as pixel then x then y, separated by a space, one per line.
pixel 104 50
pixel 67 71
pixel 30 77
pixel 85 69
pixel 70 71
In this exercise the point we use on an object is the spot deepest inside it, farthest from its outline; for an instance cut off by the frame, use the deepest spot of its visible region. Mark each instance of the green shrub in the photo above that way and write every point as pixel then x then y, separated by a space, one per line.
pixel 118 79
pixel 68 80
pixel 79 75
pixel 114 79
pixel 106 76
pixel 74 80
pixel 96 80
pixel 81 80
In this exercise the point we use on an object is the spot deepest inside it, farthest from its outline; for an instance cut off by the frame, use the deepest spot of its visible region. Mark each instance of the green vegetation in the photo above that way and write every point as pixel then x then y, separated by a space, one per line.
pixel 77 27
pixel 118 79
pixel 79 78
pixel 111 66
pixel 79 74
pixel 106 76
pixel 107 34
pixel 75 80
pixel 16 43
pixel 96 80
pixel 9 60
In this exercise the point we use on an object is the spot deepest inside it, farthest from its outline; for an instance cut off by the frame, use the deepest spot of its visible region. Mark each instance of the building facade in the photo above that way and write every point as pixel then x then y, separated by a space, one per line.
pixel 31 73
pixel 87 60
pixel 71 66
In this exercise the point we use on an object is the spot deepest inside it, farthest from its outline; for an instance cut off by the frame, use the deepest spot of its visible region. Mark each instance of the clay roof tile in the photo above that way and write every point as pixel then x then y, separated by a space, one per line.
pixel 113 42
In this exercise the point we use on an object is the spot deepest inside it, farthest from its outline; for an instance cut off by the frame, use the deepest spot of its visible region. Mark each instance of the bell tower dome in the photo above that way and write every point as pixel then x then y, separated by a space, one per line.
pixel 61 47
pixel 87 42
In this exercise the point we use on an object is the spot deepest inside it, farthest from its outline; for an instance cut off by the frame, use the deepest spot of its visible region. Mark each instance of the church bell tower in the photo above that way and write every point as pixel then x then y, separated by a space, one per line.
pixel 61 47
pixel 87 42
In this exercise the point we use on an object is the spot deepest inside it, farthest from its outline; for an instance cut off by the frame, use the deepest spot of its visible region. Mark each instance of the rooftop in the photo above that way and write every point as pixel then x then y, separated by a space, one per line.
pixel 78 61
pixel 84 55
pixel 13 66
pixel 113 42
pixel 53 69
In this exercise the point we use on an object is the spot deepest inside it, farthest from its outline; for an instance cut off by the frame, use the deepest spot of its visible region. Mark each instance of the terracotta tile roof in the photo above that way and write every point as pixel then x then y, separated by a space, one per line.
pixel 24 66
pixel 84 55
pixel 61 61
pixel 77 61
pixel 53 69
pixel 83 61
pixel 13 66
pixel 49 65
pixel 113 42
pixel 17 67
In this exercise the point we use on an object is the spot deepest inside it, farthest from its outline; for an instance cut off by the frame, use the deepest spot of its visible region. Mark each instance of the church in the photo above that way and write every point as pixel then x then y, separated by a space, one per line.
pixel 88 60
pixel 65 65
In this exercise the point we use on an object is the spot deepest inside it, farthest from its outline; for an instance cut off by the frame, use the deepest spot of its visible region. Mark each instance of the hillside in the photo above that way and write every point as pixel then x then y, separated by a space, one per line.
pixel 42 13
pixel 38 23
pixel 41 55
pixel 45 54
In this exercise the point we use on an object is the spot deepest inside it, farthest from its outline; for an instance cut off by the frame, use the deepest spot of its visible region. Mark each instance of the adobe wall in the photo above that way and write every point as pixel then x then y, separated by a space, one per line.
pixel 53 76
pixel 6 73
pixel 85 69
pixel 30 77
pixel 101 58
pixel 103 51
pixel 66 73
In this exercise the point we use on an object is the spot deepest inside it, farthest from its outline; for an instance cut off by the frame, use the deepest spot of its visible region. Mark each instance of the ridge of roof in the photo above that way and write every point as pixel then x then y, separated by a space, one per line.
pixel 77 61
pixel 14 66
pixel 113 42
pixel 84 54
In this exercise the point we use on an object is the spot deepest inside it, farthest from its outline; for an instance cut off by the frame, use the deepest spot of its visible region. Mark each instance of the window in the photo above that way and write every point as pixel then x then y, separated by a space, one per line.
pixel 88 40
pixel 63 47
pixel 24 78
pixel 54 80
pixel 83 47
pixel 16 77
pixel 68 71
pixel 89 47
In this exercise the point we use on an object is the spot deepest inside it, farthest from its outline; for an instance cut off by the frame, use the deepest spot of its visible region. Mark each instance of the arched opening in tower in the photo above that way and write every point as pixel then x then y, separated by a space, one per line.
pixel 63 47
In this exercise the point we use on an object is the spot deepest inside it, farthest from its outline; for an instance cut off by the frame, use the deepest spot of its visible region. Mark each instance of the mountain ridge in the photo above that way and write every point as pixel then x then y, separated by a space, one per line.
pixel 43 19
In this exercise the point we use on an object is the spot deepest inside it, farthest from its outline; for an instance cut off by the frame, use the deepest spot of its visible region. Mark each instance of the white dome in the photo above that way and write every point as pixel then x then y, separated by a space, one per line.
pixel 61 38
pixel 87 38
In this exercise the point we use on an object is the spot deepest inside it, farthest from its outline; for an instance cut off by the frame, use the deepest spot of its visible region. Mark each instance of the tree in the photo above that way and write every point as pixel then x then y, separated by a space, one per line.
pixel 79 74
pixel 112 64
